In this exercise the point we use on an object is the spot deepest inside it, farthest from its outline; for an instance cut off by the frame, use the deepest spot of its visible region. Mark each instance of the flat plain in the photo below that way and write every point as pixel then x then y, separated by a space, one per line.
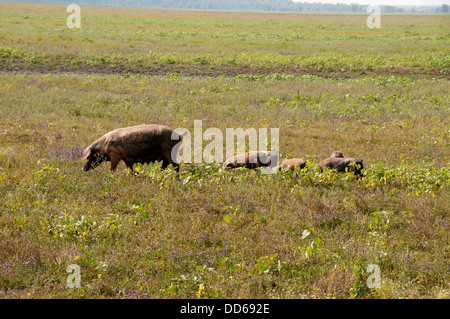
pixel 328 82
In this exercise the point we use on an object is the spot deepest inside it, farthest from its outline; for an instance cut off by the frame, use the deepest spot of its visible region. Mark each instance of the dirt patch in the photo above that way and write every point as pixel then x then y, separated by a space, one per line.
pixel 197 70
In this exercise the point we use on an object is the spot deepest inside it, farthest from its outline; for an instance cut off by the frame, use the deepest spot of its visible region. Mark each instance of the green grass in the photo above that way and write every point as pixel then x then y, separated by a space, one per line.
pixel 142 40
pixel 205 232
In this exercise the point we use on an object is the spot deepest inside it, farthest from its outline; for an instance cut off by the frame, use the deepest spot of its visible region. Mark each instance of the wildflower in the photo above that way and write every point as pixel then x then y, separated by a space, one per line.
pixel 201 288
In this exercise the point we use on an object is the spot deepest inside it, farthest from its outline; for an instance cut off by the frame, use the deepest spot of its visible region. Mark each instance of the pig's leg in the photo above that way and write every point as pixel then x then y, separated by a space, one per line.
pixel 165 163
pixel 130 166
pixel 115 159
pixel 167 159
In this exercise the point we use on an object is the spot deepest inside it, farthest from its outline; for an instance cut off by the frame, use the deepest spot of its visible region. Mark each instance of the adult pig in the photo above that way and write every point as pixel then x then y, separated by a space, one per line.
pixel 134 144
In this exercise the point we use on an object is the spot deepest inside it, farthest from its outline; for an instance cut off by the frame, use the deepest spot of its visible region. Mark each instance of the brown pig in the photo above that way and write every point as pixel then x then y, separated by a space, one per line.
pixel 293 163
pixel 340 163
pixel 134 144
pixel 252 159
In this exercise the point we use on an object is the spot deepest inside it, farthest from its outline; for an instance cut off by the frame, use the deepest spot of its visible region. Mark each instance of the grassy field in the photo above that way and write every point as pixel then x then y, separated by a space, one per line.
pixel 327 81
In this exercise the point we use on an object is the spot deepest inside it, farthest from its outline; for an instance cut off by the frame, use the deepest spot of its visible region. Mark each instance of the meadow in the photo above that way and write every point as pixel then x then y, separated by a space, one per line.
pixel 327 81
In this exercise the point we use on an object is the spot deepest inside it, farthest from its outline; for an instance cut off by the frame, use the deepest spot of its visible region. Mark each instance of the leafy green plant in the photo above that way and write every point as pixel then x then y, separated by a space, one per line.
pixel 359 289
pixel 313 248
pixel 67 228
pixel 267 264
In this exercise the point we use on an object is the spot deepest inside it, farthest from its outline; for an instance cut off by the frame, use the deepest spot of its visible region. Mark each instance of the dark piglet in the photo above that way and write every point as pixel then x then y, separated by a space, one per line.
pixel 340 163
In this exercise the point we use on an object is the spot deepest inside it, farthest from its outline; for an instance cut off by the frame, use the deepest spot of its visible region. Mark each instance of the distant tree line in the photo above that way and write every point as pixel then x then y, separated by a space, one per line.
pixel 249 5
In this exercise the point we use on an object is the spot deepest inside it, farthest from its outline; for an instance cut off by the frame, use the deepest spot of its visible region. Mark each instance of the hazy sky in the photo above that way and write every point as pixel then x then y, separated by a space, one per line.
pixel 384 2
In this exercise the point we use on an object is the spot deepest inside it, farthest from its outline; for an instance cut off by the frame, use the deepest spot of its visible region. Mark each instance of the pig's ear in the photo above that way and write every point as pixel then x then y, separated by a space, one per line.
pixel 87 153
pixel 177 136
pixel 184 134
